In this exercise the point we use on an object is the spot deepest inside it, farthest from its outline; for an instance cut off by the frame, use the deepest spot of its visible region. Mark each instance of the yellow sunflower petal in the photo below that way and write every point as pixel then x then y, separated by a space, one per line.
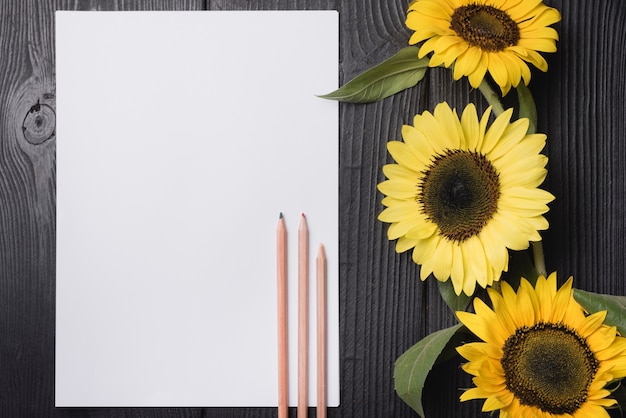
pixel 562 298
pixel 526 198
pixel 429 46
pixel 402 154
pixel 404 244
pixel 452 53
pixel 513 66
pixel 510 137
pixel 495 131
pixel 467 62
pixel 450 124
pixel 592 410
pixel 544 45
pixel 511 231
pixel 495 250
pixel 591 323
pixel 474 351
pixel 390 201
pixel 494 402
pixel 437 24
pixel 533 298
pixel 398 189
pixel 534 58
pixel 597 391
pixel 507 163
pixel 543 34
pixel 400 212
pixel 442 43
pixel 474 393
pixel 489 384
pixel 421 148
pixel 413 226
pixel 497 68
pixel 419 37
pixel 482 129
pixel 469 124
pixel 478 74
pixel 423 252
pixel 618 366
pixel 505 319
pixel 469 251
pixel 517 204
pixel 401 172
pixel 479 350
pixel 475 261
pixel 442 260
pixel 457 274
pixel 546 17
pixel 616 349
pixel 478 326
pixel 469 284
pixel 523 9
pixel 602 338
pixel 532 178
pixel 523 312
pixel 433 8
pixel 425 229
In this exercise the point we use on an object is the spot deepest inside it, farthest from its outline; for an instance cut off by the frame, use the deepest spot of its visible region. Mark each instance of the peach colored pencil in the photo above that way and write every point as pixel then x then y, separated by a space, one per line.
pixel 321 332
pixel 303 317
pixel 281 270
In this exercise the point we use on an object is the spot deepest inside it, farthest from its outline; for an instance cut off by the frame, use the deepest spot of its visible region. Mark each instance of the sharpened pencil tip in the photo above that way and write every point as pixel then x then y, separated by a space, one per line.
pixel 280 216
pixel 321 253
pixel 303 215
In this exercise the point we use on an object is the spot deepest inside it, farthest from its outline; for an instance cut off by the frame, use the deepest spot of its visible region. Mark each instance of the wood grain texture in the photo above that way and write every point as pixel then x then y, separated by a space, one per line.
pixel 384 307
pixel 586 125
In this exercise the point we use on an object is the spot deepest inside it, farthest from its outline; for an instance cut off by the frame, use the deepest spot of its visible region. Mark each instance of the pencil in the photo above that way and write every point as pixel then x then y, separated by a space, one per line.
pixel 281 270
pixel 303 317
pixel 321 332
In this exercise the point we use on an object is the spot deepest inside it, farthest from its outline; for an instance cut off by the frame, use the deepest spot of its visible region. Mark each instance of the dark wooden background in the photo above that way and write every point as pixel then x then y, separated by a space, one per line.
pixel 384 306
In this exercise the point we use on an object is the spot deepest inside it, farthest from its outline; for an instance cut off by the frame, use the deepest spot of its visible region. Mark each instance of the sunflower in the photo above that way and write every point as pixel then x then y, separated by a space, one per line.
pixel 541 356
pixel 499 36
pixel 461 194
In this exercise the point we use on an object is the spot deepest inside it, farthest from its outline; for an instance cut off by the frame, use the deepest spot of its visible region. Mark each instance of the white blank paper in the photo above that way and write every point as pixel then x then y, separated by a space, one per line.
pixel 181 137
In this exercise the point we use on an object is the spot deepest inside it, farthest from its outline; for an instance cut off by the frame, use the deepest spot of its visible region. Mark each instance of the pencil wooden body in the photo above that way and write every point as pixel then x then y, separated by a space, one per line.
pixel 281 272
pixel 303 317
pixel 321 332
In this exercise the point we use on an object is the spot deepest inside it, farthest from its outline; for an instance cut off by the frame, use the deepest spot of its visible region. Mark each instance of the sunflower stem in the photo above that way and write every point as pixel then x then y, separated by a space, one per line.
pixel 527 108
pixel 492 97
pixel 540 262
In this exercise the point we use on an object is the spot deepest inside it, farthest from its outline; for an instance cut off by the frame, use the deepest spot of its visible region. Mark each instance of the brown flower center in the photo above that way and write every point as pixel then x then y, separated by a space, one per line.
pixel 549 366
pixel 484 26
pixel 459 192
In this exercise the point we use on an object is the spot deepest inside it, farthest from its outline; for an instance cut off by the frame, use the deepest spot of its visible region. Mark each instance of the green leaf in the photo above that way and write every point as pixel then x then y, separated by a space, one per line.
pixel 614 305
pixel 527 108
pixel 455 302
pixel 400 72
pixel 413 366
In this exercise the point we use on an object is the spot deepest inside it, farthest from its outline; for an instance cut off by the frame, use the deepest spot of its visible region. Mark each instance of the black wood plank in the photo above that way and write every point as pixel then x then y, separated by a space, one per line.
pixel 384 307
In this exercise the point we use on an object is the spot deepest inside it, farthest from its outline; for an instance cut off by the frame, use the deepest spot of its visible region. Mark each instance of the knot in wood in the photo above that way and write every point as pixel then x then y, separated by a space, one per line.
pixel 39 124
